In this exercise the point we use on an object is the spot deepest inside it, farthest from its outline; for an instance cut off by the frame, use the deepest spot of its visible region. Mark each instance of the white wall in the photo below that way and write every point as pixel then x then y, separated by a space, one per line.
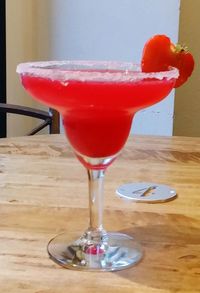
pixel 116 30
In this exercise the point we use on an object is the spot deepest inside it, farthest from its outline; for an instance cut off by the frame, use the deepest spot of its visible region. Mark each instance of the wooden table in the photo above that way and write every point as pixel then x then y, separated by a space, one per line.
pixel 43 191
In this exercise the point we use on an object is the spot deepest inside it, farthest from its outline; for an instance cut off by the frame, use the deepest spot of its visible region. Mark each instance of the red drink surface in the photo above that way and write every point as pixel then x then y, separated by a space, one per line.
pixel 97 115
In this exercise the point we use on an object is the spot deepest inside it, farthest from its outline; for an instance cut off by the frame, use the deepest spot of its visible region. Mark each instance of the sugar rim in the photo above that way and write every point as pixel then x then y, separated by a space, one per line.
pixel 77 70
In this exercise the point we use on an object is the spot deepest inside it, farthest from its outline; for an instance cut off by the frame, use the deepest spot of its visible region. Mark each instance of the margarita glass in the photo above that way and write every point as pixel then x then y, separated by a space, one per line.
pixel 97 101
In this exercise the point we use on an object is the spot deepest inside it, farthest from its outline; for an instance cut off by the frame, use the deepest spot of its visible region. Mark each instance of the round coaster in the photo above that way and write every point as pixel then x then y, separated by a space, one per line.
pixel 147 192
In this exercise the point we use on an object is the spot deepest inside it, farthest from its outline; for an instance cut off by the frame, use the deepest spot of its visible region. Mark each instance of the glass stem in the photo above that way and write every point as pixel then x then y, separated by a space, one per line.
pixel 96 194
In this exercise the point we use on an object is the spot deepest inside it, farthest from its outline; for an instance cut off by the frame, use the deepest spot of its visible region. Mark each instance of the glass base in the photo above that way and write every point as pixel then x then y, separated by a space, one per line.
pixel 117 251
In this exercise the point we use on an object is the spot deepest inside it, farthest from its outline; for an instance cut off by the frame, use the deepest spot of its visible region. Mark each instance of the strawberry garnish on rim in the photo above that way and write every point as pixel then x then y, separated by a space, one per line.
pixel 160 53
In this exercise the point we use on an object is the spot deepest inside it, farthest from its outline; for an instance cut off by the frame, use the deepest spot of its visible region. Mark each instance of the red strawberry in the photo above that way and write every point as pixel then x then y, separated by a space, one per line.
pixel 159 53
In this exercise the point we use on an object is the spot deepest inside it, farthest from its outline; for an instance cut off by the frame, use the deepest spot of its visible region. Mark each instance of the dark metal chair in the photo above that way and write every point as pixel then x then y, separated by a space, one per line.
pixel 50 118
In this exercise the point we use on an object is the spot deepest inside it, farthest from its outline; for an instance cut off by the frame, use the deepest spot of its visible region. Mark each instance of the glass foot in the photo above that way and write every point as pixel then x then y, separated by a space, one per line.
pixel 116 252
pixel 147 192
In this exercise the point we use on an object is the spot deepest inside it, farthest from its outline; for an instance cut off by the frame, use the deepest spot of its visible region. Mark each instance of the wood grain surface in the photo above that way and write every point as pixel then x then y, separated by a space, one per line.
pixel 43 191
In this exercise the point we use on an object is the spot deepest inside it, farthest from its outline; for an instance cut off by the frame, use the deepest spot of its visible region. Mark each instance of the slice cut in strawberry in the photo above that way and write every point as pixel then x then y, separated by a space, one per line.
pixel 160 53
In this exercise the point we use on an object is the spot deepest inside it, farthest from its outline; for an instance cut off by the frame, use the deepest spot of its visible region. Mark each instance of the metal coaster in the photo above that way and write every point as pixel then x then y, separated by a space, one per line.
pixel 147 192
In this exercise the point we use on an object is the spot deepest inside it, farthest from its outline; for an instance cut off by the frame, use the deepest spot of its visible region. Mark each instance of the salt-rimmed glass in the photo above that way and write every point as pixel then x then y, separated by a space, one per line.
pixel 97 101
